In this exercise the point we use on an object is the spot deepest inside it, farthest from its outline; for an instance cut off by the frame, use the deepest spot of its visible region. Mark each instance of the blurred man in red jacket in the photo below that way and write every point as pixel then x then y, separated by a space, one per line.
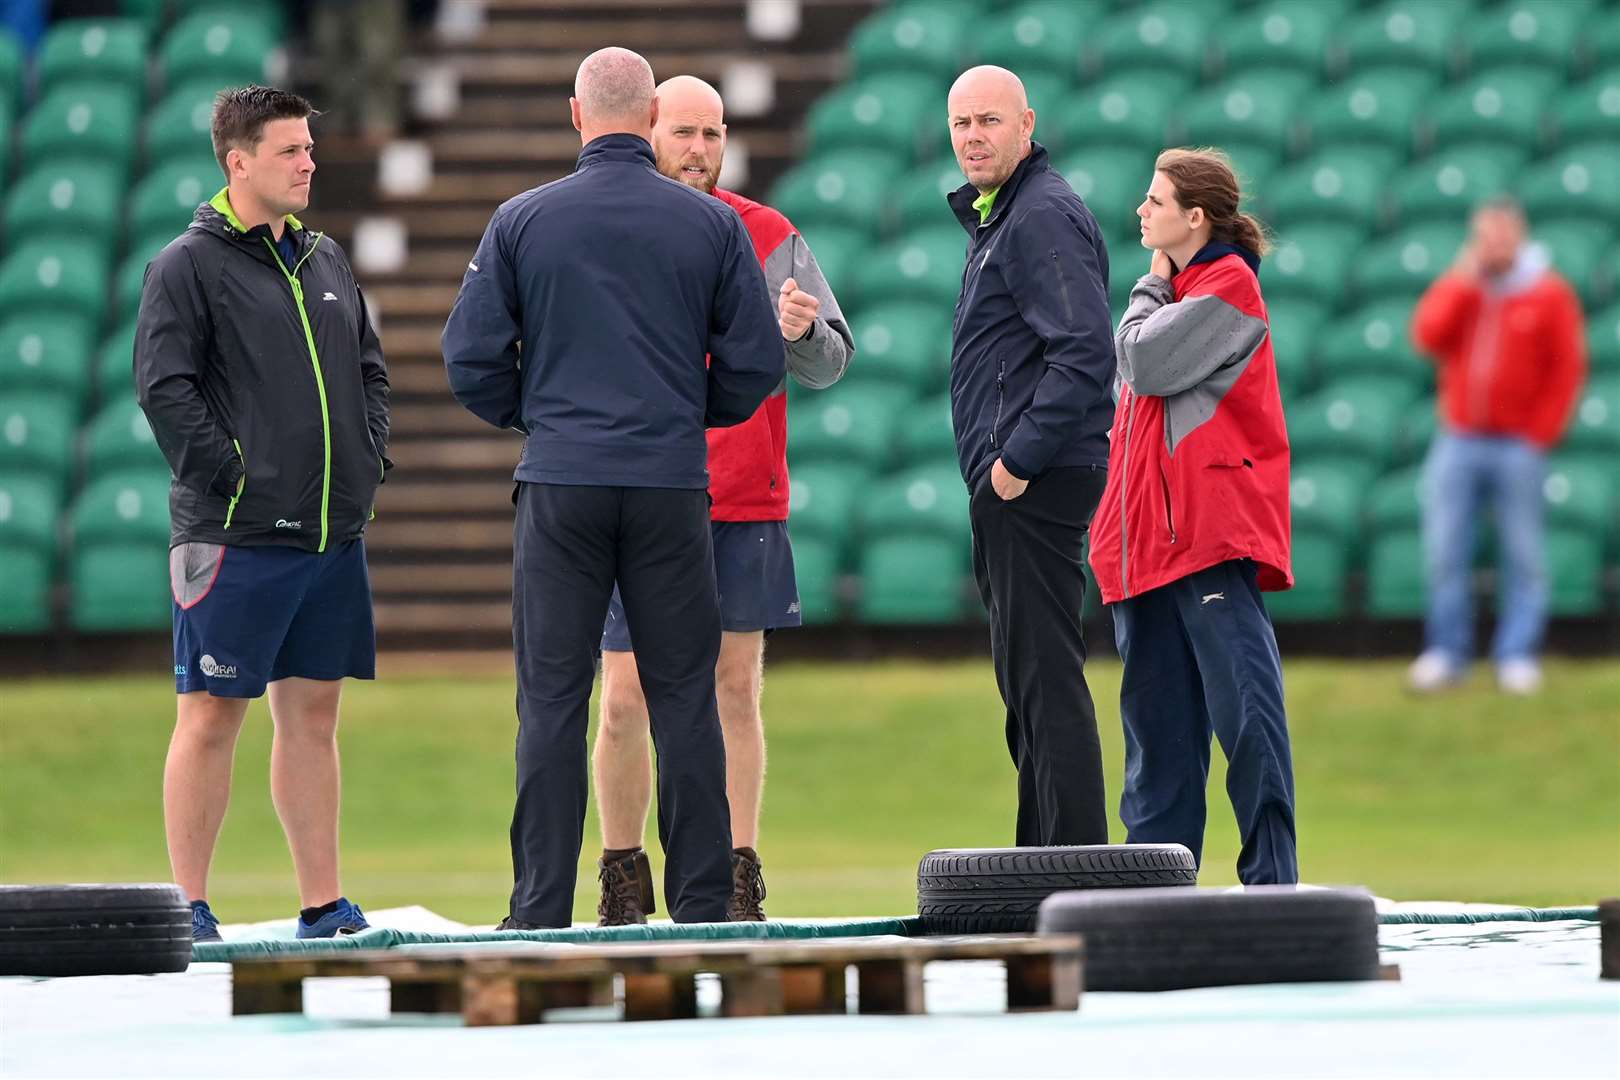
pixel 1507 335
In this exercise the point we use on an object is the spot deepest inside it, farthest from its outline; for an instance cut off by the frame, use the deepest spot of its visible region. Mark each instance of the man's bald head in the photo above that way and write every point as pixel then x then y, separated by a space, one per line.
pixel 688 93
pixel 613 92
pixel 690 135
pixel 991 124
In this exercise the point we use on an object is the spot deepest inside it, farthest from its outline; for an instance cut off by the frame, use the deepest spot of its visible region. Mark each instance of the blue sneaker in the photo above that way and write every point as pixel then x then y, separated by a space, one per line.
pixel 347 919
pixel 204 927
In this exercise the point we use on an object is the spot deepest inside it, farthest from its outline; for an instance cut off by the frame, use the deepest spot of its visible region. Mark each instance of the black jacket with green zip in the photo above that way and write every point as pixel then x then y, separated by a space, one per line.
pixel 255 371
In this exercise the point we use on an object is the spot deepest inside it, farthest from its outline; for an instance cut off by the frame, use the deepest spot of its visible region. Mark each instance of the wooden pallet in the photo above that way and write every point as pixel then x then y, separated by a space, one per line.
pixel 519 984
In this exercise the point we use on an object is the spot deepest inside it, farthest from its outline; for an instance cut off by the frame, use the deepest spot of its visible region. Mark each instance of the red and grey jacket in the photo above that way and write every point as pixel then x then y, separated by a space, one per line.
pixel 748 475
pixel 1198 455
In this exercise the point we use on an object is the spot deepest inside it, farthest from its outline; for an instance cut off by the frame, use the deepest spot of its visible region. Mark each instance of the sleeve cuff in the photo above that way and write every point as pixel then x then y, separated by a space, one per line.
pixel 1018 472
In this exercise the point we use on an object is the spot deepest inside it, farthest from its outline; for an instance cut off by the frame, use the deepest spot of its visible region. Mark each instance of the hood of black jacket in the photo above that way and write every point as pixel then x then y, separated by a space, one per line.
pixel 961 200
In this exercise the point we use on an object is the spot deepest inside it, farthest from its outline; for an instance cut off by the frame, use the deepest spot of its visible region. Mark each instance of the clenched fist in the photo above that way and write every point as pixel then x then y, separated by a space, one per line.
pixel 795 310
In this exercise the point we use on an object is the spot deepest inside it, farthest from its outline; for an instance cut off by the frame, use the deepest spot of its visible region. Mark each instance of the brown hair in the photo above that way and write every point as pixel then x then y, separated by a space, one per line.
pixel 241 113
pixel 1204 178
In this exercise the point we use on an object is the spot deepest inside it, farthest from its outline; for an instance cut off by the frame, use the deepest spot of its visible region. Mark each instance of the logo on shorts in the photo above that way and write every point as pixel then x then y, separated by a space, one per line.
pixel 793 608
pixel 179 669
pixel 283 523
pixel 216 670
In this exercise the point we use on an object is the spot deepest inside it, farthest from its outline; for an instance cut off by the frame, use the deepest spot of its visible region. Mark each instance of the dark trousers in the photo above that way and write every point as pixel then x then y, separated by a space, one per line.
pixel 1027 559
pixel 570 545
pixel 1201 658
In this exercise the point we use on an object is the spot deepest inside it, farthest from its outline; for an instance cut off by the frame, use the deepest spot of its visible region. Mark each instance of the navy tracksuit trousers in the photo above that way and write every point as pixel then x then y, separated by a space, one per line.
pixel 1200 659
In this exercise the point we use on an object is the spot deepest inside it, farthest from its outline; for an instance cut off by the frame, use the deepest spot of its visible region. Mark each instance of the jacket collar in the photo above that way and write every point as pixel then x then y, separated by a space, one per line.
pixel 961 200
pixel 1219 249
pixel 617 146
pixel 217 215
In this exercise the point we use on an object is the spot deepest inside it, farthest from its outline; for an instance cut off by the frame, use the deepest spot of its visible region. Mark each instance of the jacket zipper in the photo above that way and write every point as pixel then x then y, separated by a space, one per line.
pixel 1001 397
pixel 1482 362
pixel 1169 507
pixel 1124 521
pixel 241 485
pixel 320 382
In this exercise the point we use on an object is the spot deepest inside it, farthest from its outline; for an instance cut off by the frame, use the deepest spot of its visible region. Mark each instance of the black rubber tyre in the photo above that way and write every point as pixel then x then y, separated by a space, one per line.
pixel 999 890
pixel 1173 939
pixel 93 929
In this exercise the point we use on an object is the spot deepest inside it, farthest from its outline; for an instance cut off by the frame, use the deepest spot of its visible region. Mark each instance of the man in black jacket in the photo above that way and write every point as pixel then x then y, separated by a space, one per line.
pixel 617 281
pixel 257 366
pixel 1032 372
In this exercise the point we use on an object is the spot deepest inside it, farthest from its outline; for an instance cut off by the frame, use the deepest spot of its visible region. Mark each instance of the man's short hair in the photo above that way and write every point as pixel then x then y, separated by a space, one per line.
pixel 241 113
pixel 1500 203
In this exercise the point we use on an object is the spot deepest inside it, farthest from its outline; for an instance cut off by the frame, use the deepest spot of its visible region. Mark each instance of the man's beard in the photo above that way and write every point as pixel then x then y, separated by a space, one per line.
pixel 705 183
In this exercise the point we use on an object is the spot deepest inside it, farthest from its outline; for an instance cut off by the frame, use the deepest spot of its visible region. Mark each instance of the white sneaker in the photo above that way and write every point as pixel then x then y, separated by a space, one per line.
pixel 1432 672
pixel 1521 677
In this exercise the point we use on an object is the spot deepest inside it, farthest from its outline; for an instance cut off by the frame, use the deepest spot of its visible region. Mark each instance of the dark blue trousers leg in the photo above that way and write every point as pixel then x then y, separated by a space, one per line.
pixel 666 580
pixel 1161 705
pixel 562 577
pixel 1241 670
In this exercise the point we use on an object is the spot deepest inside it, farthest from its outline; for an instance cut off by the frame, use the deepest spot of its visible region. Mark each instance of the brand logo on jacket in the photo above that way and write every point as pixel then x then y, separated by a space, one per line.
pixel 1215 596
pixel 214 669
pixel 329 296
pixel 283 523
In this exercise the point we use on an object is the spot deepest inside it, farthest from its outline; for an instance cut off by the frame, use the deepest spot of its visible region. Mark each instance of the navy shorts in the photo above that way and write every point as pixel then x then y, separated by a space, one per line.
pixel 247 616
pixel 753 565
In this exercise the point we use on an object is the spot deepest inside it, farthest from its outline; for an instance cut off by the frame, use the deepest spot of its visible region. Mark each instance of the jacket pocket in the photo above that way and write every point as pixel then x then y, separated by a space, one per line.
pixel 1169 506
pixel 241 485
pixel 1001 399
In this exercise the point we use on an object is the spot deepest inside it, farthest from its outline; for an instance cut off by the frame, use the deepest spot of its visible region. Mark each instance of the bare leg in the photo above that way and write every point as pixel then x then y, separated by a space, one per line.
pixel 305 782
pixel 737 681
pixel 197 784
pixel 621 761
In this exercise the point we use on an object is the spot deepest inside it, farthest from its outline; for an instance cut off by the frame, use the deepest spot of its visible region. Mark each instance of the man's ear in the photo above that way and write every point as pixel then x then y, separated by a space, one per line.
pixel 1027 123
pixel 573 113
pixel 652 122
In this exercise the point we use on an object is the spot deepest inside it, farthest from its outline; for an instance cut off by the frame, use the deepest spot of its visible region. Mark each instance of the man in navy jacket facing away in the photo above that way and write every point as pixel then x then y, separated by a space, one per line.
pixel 1032 374
pixel 583 322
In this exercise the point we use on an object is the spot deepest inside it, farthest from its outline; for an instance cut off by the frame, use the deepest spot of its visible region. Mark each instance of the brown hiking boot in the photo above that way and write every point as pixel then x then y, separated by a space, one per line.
pixel 627 892
pixel 747 887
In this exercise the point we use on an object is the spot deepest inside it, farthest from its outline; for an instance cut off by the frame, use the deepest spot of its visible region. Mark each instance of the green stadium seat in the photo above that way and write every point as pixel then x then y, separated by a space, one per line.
pixel 1355 418
pixel 1577 249
pixel 919 200
pixel 12 65
pixel 1580 494
pixel 47 352
pixel 907 343
pixel 55 274
pixel 1581 182
pixel 926 435
pixel 912 580
pixel 229 45
pixel 1336 184
pixel 25 602
pixel 816 569
pixel 1326 500
pixel 180 126
pixel 1412 34
pixel 1397 583
pixel 1281 35
pixel 1419 425
pixel 837 248
pixel 1295 324
pixel 852 424
pixel 111 51
pixel 131 277
pixel 36 435
pixel 1371 340
pixel 1378 108
pixel 1504 105
pixel 1405 263
pixel 1113 181
pixel 119 439
pixel 115 362
pixel 272 17
pixel 5 142
pixel 824 502
pixel 846 188
pixel 88 122
pixel 1603 340
pixel 1255 107
pixel 1131 109
pixel 1164 36
pixel 1600 40
pixel 925 265
pixel 901 113
pixel 1040 35
pixel 67 198
pixel 1255 165
pixel 1590 111
pixel 1596 425
pixel 29 508
pixel 928 501
pixel 1544 32
pixel 1448 185
pixel 1574 572
pixel 925 36
pixel 1311 261
pixel 1321 577
pixel 129 507
pixel 120 586
pixel 164 202
pixel 1395 501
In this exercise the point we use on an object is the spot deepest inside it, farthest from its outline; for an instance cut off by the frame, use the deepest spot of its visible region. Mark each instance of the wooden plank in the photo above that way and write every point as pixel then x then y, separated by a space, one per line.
pixel 814 989
pixel 751 992
pixel 256 997
pixel 890 987
pixel 660 996
pixel 1051 982
pixel 438 996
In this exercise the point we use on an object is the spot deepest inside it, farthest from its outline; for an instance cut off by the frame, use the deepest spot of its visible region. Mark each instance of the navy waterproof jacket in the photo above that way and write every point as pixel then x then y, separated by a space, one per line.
pixel 1032 350
pixel 585 316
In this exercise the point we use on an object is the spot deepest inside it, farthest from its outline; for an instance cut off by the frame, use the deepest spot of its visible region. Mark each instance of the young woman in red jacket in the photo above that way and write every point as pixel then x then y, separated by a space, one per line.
pixel 1194 524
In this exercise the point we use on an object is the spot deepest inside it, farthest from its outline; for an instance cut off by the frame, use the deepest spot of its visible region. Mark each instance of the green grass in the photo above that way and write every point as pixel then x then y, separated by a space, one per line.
pixel 1472 796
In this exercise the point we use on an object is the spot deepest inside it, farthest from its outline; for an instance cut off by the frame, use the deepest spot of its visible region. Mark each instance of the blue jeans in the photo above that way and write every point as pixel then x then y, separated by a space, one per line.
pixel 1461 474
